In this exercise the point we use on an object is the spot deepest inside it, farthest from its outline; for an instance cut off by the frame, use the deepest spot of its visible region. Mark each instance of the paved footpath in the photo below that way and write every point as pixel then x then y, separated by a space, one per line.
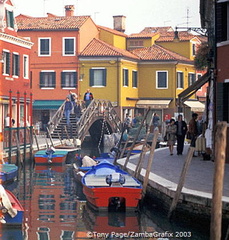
pixel 166 171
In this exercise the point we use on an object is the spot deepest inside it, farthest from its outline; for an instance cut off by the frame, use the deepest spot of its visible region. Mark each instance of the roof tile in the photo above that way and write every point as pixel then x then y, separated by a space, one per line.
pixel 158 53
pixel 50 23
pixel 99 48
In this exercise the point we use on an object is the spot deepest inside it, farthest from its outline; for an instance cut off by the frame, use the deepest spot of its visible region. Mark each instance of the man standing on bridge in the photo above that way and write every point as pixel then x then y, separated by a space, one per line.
pixel 88 97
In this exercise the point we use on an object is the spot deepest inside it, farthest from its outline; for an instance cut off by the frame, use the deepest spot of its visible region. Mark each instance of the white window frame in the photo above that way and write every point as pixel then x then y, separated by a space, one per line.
pixel 124 80
pixel 70 71
pixel 162 71
pixel 198 76
pixel 26 66
pixel 13 65
pixel 39 47
pixel 177 80
pixel 74 46
pixel 4 64
pixel 103 70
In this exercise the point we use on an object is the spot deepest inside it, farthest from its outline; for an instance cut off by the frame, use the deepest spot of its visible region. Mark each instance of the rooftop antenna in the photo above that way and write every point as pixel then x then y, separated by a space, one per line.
pixel 187 17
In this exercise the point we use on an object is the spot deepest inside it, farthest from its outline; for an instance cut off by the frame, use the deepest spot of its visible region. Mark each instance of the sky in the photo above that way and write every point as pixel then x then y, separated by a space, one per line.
pixel 139 13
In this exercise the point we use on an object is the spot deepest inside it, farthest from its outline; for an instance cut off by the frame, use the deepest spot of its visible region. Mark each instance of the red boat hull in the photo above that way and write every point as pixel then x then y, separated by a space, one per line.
pixel 101 197
pixel 55 160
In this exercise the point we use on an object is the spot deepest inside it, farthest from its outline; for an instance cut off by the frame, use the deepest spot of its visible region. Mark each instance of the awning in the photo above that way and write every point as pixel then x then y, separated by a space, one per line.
pixel 195 106
pixel 47 104
pixel 158 104
pixel 188 92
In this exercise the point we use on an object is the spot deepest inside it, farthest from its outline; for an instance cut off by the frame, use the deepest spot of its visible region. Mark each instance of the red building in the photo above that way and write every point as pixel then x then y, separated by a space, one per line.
pixel 54 59
pixel 15 92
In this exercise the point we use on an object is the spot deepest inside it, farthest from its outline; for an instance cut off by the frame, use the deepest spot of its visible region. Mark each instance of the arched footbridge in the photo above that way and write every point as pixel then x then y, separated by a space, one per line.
pixel 98 118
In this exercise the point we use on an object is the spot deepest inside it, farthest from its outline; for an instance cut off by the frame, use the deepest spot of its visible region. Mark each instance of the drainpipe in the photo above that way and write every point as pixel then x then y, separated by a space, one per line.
pixel 10 128
pixel 118 86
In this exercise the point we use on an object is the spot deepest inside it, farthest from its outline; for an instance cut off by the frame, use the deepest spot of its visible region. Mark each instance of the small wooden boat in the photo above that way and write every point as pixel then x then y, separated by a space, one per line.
pixel 107 187
pixel 11 210
pixel 8 172
pixel 50 156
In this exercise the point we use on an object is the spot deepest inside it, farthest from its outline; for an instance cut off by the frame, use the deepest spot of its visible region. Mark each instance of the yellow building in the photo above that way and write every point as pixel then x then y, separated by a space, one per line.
pixel 110 73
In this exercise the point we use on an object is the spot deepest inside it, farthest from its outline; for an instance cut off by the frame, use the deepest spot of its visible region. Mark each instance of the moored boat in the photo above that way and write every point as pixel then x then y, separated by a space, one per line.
pixel 107 187
pixel 11 210
pixel 8 172
pixel 50 156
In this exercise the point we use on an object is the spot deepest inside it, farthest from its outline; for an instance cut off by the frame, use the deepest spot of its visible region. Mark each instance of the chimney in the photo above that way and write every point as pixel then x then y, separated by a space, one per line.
pixel 120 23
pixel 176 36
pixel 69 10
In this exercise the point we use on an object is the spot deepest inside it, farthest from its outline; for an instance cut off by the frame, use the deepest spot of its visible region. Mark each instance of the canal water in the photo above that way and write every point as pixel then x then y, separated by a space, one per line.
pixel 55 208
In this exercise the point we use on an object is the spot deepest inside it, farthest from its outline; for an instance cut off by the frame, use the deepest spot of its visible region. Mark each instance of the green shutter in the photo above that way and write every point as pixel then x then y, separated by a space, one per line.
pixel 53 79
pixel 105 77
pixel 62 79
pixel 41 79
pixel 91 81
pixel 75 79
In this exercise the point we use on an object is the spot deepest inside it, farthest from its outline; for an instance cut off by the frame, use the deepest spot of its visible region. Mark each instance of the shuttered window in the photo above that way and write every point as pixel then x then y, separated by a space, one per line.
pixel 47 79
pixel 134 79
pixel 16 65
pixel 125 76
pixel 98 77
pixel 10 19
pixel 69 80
pixel 44 46
pixel 6 64
pixel 162 79
pixel 180 80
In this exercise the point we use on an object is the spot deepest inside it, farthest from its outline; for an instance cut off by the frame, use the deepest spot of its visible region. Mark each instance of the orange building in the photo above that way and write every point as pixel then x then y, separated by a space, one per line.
pixel 54 59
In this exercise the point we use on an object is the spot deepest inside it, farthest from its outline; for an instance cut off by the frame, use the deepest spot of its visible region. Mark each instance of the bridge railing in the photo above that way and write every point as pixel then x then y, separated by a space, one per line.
pixel 55 120
pixel 98 108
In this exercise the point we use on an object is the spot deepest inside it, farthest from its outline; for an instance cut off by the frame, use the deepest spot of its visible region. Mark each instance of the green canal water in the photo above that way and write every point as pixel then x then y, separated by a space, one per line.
pixel 55 208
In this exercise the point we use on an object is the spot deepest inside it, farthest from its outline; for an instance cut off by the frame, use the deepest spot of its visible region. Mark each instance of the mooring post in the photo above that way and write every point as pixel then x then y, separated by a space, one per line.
pixel 135 139
pixel 150 161
pixel 181 181
pixel 220 153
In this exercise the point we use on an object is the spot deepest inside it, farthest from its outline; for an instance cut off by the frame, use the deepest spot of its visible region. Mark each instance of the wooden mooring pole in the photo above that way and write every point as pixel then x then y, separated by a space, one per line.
pixel 150 161
pixel 181 181
pixel 220 152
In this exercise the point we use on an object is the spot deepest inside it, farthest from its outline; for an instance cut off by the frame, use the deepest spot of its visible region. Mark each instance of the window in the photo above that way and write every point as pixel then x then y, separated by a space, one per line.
pixel 69 46
pixel 136 44
pixel 180 80
pixel 16 64
pixel 9 19
pixel 98 77
pixel 44 46
pixel 191 79
pixel 69 80
pixel 6 67
pixel 26 66
pixel 199 75
pixel 193 49
pixel 162 79
pixel 125 77
pixel 47 79
pixel 134 79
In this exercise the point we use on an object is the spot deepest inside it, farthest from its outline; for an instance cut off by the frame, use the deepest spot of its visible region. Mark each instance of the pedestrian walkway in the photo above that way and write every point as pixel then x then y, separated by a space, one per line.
pixel 166 171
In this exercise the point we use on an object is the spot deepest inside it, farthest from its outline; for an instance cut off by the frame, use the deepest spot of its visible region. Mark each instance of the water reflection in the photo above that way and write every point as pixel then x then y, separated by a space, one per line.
pixel 55 208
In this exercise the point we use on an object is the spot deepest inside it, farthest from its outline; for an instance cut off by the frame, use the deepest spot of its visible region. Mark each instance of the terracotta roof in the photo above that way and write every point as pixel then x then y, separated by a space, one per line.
pixel 142 35
pixel 98 48
pixel 169 36
pixel 50 23
pixel 158 53
pixel 112 31
pixel 156 29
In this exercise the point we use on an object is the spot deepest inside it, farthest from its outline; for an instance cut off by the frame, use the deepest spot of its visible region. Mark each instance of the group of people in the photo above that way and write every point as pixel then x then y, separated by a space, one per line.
pixel 177 130
pixel 72 105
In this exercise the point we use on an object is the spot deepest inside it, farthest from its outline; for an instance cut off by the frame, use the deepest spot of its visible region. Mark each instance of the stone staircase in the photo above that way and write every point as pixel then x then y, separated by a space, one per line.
pixel 98 110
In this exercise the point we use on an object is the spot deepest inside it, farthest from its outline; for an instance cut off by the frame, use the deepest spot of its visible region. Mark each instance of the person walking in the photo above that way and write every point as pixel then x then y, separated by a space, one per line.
pixel 88 97
pixel 193 131
pixel 67 110
pixel 181 132
pixel 77 111
pixel 155 121
pixel 73 98
pixel 171 135
pixel 127 123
